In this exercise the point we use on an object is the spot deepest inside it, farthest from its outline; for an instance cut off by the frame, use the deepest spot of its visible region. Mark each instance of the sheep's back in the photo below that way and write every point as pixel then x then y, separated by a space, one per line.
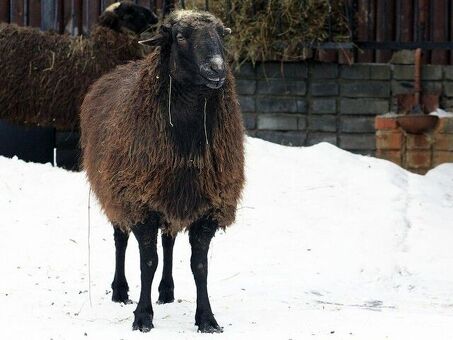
pixel 44 75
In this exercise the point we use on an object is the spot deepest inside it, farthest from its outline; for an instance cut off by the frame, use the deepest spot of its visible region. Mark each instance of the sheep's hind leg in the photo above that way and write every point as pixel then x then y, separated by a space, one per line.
pixel 146 235
pixel 166 286
pixel 120 287
pixel 200 235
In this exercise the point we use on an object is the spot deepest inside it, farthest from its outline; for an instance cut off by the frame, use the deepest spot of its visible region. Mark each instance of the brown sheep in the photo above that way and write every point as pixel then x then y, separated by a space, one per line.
pixel 162 142
pixel 44 75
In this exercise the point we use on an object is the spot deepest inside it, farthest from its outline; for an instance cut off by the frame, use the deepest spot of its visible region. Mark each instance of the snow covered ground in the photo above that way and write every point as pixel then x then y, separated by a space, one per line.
pixel 327 245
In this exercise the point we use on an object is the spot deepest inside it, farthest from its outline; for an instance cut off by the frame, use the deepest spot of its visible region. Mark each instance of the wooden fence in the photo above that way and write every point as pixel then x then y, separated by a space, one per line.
pixel 378 27
pixel 72 16
pixel 386 25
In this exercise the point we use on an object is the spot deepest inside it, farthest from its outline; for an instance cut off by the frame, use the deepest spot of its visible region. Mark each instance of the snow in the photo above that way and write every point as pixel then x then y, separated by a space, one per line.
pixel 441 113
pixel 327 245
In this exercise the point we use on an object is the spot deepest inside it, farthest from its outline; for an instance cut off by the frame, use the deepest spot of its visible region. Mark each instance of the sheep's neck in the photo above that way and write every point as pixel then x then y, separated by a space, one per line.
pixel 187 110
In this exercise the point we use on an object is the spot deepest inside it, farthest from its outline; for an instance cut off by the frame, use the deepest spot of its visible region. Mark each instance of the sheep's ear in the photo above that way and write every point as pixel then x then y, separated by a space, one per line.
pixel 109 19
pixel 226 31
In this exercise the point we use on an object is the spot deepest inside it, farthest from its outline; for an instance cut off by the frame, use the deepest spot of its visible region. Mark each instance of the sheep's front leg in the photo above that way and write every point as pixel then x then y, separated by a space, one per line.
pixel 119 284
pixel 200 235
pixel 166 286
pixel 146 235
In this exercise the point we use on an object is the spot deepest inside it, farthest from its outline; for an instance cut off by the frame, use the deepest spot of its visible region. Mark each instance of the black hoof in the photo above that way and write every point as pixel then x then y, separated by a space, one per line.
pixel 120 293
pixel 208 325
pixel 166 296
pixel 143 322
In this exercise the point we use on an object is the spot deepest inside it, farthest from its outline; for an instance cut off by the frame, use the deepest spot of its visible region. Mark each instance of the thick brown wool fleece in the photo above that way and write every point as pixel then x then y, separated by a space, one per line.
pixel 134 164
pixel 44 76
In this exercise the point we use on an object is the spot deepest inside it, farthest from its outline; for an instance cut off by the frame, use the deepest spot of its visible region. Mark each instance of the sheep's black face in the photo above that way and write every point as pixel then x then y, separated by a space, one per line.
pixel 195 43
pixel 197 55
pixel 125 15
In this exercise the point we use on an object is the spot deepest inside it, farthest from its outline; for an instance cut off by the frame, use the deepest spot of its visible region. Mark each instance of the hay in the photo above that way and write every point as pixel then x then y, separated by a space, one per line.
pixel 277 29
pixel 44 75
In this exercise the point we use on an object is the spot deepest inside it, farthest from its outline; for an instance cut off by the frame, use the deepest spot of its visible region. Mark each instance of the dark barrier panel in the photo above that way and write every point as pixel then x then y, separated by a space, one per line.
pixel 68 152
pixel 31 144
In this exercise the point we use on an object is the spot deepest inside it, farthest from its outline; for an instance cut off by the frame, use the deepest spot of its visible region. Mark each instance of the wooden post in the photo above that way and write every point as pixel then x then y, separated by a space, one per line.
pixel 60 16
pixel 93 12
pixel 385 24
pixel 439 30
pixel 423 24
pixel 47 15
pixel 405 21
pixel 4 11
pixel 366 28
pixel 34 13
pixel 79 15
pixel 17 12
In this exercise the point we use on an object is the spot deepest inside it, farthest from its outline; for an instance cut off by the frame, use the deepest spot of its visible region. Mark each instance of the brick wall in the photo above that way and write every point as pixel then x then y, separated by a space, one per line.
pixel 415 152
pixel 306 103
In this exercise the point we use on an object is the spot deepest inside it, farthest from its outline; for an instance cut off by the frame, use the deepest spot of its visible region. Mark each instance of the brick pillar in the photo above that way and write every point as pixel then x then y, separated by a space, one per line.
pixel 443 142
pixel 417 153
pixel 389 139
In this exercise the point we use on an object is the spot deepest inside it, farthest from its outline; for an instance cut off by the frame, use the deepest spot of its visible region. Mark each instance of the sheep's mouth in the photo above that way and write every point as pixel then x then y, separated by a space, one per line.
pixel 214 83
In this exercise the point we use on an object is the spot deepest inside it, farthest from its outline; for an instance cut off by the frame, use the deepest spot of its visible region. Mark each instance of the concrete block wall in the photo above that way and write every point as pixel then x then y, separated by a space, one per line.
pixel 308 102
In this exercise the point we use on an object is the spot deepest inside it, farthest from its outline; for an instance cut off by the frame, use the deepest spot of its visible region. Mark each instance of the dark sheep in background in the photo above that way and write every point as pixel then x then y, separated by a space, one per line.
pixel 44 75
pixel 162 142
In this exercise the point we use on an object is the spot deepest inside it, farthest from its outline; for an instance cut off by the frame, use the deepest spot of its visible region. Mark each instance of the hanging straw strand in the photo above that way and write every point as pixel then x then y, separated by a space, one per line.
pixel 89 247
pixel 205 130
pixel 169 103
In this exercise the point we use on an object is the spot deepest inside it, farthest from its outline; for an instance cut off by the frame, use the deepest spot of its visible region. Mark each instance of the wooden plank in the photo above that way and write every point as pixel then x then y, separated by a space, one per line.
pixel 450 25
pixel 94 10
pixel 423 26
pixel 60 16
pixel 424 45
pixel 26 11
pixel 439 30
pixel 385 24
pixel 78 9
pixel 17 12
pixel 405 20
pixel 365 27
pixel 48 18
pixel 34 13
pixel 4 10
pixel 327 56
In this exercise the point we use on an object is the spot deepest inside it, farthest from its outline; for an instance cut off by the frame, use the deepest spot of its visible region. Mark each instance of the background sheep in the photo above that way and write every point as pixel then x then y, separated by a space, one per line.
pixel 162 142
pixel 44 75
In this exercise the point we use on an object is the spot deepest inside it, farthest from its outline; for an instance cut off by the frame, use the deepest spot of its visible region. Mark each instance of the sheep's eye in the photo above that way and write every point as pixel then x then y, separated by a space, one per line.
pixel 180 37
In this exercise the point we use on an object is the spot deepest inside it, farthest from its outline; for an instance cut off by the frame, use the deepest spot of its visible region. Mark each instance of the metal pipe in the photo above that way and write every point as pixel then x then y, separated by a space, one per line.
pixel 417 73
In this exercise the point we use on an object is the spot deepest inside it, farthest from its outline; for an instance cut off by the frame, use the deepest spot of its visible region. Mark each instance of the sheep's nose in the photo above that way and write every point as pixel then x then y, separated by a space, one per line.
pixel 217 65
pixel 214 69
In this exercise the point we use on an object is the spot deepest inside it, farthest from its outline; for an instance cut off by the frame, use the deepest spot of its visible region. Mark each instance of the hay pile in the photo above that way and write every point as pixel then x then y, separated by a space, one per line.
pixel 277 29
pixel 44 76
